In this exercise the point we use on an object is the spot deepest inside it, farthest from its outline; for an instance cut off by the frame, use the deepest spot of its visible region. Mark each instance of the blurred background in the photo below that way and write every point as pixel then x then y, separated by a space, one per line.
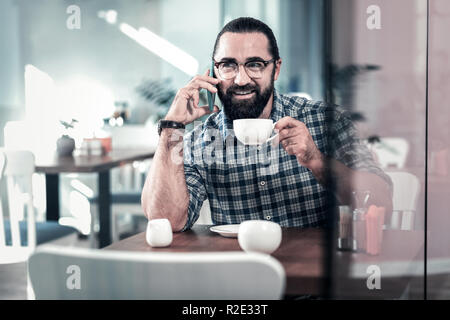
pixel 116 64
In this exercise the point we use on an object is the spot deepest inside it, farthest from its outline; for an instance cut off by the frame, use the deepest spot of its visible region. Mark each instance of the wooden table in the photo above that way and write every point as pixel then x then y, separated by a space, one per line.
pixel 301 253
pixel 53 165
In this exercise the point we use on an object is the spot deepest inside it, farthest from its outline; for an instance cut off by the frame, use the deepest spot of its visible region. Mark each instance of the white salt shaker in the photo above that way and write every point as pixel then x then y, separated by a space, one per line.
pixel 159 233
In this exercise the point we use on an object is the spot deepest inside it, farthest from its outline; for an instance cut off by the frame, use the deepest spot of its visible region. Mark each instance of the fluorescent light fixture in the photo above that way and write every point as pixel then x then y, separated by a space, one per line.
pixel 162 48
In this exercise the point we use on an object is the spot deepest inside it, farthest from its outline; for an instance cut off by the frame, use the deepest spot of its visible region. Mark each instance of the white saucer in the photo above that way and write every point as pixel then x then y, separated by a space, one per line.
pixel 226 230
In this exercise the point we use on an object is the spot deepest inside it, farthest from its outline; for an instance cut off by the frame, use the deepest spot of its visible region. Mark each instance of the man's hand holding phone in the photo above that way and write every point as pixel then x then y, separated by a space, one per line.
pixel 185 108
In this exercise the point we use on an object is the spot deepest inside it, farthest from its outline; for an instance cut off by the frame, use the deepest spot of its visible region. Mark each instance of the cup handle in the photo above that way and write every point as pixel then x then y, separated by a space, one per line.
pixel 276 135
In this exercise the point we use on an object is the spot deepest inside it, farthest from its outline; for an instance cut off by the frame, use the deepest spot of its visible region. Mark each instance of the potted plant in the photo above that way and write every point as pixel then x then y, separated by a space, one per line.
pixel 66 144
pixel 345 81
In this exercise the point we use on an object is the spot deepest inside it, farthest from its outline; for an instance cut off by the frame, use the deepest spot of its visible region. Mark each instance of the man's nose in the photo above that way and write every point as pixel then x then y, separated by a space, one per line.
pixel 242 77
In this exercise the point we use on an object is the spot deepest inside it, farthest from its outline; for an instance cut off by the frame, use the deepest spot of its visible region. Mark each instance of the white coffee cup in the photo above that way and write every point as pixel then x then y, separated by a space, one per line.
pixel 254 131
pixel 159 233
pixel 259 236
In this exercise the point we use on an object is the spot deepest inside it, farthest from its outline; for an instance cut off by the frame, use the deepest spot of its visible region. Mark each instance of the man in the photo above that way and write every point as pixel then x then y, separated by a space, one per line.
pixel 291 193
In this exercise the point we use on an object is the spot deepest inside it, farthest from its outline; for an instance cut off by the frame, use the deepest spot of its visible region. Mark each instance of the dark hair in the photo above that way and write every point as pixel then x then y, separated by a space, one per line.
pixel 247 24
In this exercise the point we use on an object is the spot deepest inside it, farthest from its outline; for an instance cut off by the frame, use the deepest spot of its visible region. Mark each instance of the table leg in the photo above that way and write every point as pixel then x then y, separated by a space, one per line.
pixel 104 208
pixel 52 196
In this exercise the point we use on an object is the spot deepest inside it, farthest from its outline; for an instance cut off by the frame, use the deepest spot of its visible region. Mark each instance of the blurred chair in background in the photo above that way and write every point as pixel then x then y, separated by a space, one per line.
pixel 20 233
pixel 406 194
pixel 16 139
pixel 389 152
pixel 162 275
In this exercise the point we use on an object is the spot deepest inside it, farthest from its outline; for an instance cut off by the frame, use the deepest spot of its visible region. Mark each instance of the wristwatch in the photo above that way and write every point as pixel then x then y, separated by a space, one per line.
pixel 169 124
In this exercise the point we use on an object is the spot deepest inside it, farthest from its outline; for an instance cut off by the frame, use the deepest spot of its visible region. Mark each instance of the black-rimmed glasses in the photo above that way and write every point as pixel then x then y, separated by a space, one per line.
pixel 254 68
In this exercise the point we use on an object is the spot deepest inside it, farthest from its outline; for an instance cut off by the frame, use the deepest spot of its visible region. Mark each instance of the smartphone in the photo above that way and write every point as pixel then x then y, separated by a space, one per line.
pixel 211 96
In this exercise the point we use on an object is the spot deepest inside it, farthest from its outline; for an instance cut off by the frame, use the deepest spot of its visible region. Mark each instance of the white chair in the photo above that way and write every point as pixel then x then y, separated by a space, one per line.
pixel 390 152
pixel 20 233
pixel 79 273
pixel 12 249
pixel 406 193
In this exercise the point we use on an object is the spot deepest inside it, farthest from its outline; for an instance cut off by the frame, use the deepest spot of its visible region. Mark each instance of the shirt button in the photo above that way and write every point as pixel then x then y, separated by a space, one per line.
pixel 263 183
pixel 268 217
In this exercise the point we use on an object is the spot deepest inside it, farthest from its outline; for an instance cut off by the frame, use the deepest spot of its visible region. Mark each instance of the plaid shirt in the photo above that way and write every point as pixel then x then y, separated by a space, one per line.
pixel 265 182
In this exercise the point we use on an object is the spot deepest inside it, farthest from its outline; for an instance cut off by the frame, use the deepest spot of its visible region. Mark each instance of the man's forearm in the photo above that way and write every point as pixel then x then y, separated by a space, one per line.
pixel 348 180
pixel 165 193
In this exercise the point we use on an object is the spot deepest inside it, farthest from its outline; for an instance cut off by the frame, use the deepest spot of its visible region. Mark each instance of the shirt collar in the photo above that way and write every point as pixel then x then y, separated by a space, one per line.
pixel 226 125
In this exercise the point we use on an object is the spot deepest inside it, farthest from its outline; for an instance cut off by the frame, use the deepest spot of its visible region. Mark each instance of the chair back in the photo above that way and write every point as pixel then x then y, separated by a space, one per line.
pixel 405 197
pixel 79 273
pixel 18 168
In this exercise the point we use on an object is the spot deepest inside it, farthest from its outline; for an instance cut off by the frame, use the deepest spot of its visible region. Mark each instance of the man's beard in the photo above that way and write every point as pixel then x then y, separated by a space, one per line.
pixel 246 108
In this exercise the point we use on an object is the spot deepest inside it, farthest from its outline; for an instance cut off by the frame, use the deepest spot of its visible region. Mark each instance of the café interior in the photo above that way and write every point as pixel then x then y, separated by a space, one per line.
pixel 84 84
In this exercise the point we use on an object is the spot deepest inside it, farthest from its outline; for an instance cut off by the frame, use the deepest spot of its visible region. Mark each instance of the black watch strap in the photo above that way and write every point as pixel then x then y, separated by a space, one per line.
pixel 169 124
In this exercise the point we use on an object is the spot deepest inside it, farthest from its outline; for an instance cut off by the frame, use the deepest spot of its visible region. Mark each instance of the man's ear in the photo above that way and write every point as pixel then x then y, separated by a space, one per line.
pixel 277 68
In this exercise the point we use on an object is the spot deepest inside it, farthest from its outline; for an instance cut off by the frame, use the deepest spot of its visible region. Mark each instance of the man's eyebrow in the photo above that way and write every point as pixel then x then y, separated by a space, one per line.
pixel 254 58
pixel 227 59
